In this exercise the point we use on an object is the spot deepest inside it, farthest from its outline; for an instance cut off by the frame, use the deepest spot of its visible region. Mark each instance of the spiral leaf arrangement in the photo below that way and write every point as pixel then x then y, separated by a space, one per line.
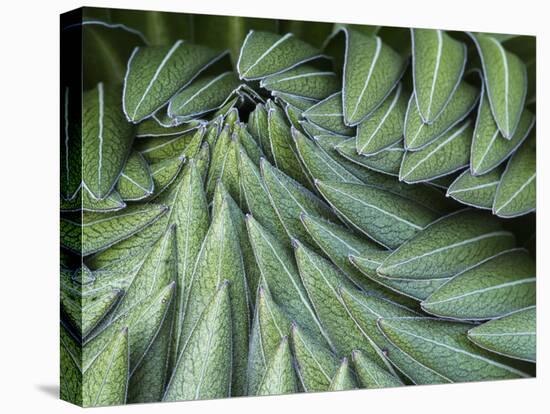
pixel 288 215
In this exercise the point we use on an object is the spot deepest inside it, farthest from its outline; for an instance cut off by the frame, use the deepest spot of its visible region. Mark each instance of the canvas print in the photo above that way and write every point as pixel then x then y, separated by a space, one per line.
pixel 257 207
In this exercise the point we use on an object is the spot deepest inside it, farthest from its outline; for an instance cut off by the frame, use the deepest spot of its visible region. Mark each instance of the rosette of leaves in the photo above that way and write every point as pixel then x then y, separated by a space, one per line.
pixel 252 207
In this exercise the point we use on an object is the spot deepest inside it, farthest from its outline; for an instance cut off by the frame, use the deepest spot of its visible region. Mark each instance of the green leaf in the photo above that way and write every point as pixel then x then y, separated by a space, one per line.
pixel 505 79
pixel 318 164
pixel 448 246
pixel 290 199
pixel 338 243
pixel 322 280
pixel 155 74
pixel 263 54
pixel 105 382
pixel 204 367
pixel 417 289
pixel 220 156
pixel 315 364
pixel 150 128
pixel 516 193
pixel 143 321
pixel 203 96
pixel 128 250
pixel 106 140
pixel 84 201
pixel 99 231
pixel 489 147
pixel 423 194
pixel 444 156
pixel 328 115
pixel 257 197
pixel 70 375
pixel 192 221
pixel 385 217
pixel 282 148
pixel 269 327
pixel 279 377
pixel 386 161
pixel 165 172
pixel 303 81
pixel 366 310
pixel 500 285
pixel 343 378
pixel 149 379
pixel 135 182
pixel 443 346
pixel 251 268
pixel 71 146
pixel 438 63
pixel 258 128
pixel 418 135
pixel 155 272
pixel 370 374
pixel 220 258
pixel 385 126
pixel 247 141
pixel 371 70
pixel 86 312
pixel 160 148
pixel 476 191
pixel 513 335
pixel 280 274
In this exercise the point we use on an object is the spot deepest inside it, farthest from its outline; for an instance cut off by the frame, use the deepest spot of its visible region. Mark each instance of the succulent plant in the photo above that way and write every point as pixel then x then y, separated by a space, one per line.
pixel 261 207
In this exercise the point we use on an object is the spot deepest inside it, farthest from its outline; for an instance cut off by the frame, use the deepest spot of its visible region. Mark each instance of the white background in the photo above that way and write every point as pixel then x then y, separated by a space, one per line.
pixel 29 151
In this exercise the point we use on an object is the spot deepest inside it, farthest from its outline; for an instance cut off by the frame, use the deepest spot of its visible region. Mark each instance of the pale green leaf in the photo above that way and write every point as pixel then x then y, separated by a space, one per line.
pixel 489 147
pixel 263 54
pixel 500 285
pixel 447 246
pixel 513 335
pixel 444 156
pixel 106 139
pixel 370 374
pixel 322 280
pixel 219 259
pixel 279 377
pixel 371 71
pixel 418 135
pixel 343 378
pixel 438 63
pixel 444 347
pixel 385 126
pixel 476 191
pixel 280 274
pixel 315 363
pixel 156 73
pixel 303 81
pixel 204 95
pixel 269 327
pixel 516 193
pixel 505 79
pixel 99 231
pixel 366 310
pixel 203 370
pixel 328 115
pixel 105 382
pixel 385 217
pixel 135 182
pixel 290 199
